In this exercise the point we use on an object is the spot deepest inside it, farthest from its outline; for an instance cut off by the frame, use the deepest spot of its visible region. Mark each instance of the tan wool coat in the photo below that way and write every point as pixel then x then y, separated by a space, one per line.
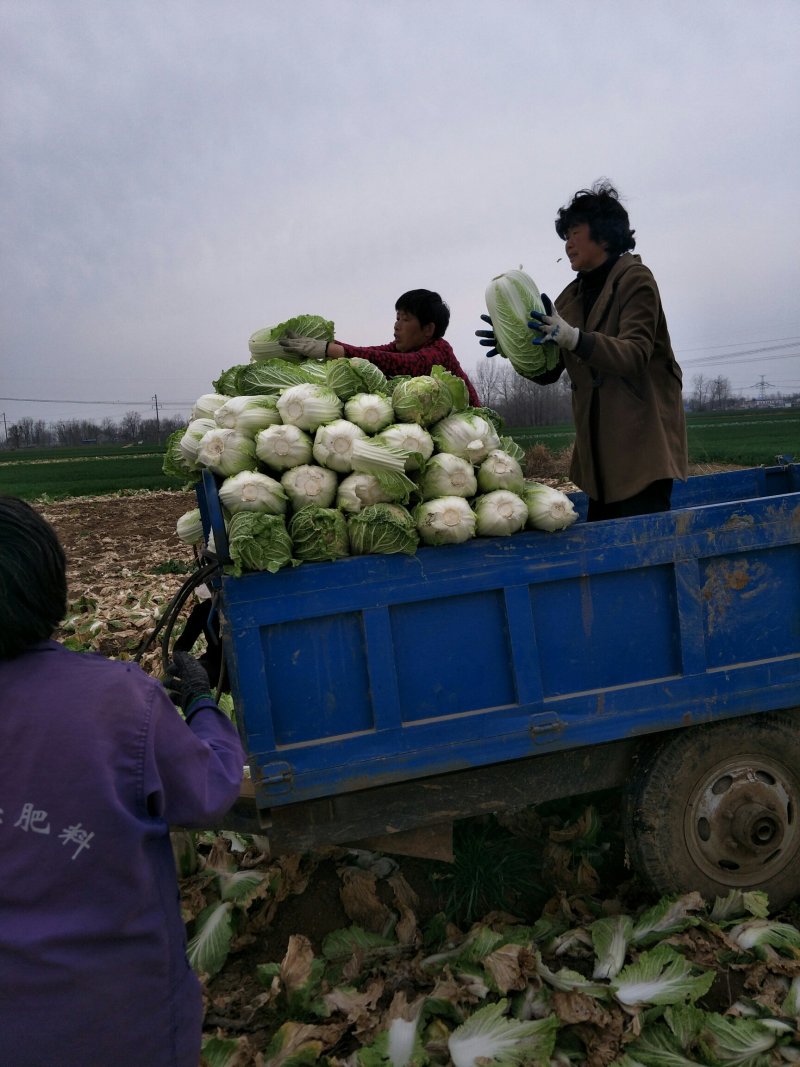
pixel 639 433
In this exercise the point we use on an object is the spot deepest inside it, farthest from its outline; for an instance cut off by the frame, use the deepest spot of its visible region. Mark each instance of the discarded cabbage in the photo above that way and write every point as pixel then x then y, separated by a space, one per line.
pixel 448 520
pixel 548 509
pixel 499 513
pixel 510 299
pixel 382 528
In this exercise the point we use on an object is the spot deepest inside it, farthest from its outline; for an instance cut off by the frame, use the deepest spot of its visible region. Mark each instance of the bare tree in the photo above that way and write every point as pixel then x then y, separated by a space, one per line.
pixel 131 426
pixel 720 393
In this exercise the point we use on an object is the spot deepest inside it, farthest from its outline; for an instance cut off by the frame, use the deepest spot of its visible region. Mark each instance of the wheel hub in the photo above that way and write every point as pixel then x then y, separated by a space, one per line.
pixel 740 821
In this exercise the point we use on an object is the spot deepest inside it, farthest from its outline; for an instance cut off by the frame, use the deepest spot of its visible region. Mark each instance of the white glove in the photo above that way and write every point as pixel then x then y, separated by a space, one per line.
pixel 307 347
pixel 553 328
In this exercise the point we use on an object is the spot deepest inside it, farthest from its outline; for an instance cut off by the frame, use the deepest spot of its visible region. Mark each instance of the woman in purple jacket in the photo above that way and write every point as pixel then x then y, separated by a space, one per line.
pixel 97 765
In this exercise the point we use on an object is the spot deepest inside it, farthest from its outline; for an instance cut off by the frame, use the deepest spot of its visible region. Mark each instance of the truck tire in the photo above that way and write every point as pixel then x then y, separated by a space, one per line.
pixel 717 807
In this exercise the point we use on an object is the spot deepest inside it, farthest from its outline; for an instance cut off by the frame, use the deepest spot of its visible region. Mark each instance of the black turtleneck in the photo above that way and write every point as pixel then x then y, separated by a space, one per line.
pixel 592 281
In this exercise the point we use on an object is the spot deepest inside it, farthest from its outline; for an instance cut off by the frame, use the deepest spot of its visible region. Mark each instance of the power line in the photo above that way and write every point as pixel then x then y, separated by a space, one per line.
pixel 104 403
pixel 734 344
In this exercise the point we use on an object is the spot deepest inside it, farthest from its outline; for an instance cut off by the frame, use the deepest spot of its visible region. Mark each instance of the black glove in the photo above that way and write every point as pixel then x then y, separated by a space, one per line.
pixel 490 339
pixel 186 681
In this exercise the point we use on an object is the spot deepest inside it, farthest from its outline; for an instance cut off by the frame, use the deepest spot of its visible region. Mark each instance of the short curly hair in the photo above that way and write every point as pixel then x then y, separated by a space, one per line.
pixel 608 220
pixel 33 578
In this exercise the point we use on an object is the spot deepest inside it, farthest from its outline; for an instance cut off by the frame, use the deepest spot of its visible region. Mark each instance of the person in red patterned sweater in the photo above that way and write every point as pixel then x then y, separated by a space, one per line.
pixel 418 345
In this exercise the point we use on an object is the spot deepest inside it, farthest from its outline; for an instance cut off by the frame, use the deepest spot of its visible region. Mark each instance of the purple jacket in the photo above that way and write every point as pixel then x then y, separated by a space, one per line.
pixel 97 765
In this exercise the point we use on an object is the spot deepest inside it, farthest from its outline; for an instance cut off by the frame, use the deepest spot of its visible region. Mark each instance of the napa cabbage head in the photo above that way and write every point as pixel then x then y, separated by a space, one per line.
pixel 248 414
pixel 333 445
pixel 360 490
pixel 467 435
pixel 189 527
pixel 346 377
pixel 265 343
pixel 424 399
pixel 310 484
pixel 309 406
pixel 447 475
pixel 372 412
pixel 499 513
pixel 319 534
pixel 408 437
pixel 258 541
pixel 272 376
pixel 510 299
pixel 226 452
pixel 252 491
pixel 382 528
pixel 176 464
pixel 284 446
pixel 500 471
pixel 548 508
pixel 205 405
pixel 447 520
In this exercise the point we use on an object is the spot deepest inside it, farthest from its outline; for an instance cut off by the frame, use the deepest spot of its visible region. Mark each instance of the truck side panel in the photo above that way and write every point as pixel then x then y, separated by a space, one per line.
pixel 380 669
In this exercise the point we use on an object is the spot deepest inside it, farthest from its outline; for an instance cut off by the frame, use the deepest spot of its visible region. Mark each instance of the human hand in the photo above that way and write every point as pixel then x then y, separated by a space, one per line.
pixel 186 680
pixel 552 327
pixel 307 347
pixel 490 341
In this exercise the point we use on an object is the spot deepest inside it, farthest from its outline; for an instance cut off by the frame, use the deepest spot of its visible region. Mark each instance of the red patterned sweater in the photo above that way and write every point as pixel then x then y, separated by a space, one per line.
pixel 391 362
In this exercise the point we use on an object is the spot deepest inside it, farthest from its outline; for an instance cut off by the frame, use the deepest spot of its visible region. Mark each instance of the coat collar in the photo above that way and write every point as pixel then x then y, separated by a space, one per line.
pixel 622 265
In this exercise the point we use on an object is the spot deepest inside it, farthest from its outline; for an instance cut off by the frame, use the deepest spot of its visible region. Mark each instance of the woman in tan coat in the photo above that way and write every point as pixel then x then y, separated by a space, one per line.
pixel 630 430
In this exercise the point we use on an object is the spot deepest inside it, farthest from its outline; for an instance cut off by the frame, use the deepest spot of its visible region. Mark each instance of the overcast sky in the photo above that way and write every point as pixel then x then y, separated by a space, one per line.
pixel 177 174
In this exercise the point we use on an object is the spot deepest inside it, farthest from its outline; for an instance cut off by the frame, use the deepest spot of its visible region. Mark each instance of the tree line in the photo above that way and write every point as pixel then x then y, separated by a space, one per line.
pixel 519 401
pixel 132 428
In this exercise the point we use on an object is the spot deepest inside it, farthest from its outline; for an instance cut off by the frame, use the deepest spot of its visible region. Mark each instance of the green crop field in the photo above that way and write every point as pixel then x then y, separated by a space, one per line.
pixel 751 438
pixel 89 471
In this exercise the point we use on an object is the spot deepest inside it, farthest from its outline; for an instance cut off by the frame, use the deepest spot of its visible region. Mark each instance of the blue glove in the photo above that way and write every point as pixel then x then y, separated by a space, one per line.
pixel 552 327
pixel 490 341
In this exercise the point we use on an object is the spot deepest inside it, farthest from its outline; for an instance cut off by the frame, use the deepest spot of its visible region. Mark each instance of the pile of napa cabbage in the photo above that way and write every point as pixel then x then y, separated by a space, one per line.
pixel 318 460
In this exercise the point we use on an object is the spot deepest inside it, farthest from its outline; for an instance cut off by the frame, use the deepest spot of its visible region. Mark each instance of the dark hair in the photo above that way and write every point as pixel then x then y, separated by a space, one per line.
pixel 427 307
pixel 608 220
pixel 33 578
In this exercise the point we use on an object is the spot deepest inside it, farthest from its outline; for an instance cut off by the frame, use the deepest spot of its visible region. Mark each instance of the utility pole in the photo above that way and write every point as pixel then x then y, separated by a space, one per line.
pixel 5 427
pixel 158 425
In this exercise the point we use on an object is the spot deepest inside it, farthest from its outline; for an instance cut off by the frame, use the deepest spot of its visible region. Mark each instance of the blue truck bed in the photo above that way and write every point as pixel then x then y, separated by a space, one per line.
pixel 377 670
